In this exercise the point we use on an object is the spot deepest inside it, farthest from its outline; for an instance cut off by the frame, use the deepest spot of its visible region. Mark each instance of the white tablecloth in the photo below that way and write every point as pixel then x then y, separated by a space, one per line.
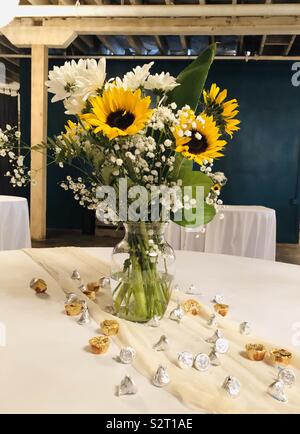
pixel 45 367
pixel 14 223
pixel 248 231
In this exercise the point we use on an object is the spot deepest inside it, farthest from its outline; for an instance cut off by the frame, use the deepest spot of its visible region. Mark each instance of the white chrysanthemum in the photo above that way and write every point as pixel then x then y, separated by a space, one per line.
pixel 91 79
pixel 164 82
pixel 74 105
pixel 115 82
pixel 137 77
pixel 77 80
pixel 62 80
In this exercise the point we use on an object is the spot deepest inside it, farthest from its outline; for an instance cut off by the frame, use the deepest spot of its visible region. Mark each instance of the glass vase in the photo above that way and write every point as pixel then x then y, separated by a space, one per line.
pixel 143 266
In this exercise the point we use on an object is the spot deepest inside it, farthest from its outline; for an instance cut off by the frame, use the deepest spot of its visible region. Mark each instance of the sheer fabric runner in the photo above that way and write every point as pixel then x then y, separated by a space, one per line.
pixel 200 391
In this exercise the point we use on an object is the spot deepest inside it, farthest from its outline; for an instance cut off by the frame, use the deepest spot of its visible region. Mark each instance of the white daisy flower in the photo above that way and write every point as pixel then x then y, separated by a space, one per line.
pixel 137 77
pixel 164 82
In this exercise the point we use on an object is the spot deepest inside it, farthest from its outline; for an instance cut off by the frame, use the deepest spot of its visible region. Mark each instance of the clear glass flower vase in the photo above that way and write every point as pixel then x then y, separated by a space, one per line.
pixel 143 266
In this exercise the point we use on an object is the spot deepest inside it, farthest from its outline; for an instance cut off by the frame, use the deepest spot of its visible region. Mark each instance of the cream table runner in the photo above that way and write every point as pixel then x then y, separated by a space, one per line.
pixel 198 391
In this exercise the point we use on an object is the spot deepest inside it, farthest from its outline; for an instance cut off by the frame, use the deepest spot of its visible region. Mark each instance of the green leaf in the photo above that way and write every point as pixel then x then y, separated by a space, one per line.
pixel 106 174
pixel 192 80
pixel 191 178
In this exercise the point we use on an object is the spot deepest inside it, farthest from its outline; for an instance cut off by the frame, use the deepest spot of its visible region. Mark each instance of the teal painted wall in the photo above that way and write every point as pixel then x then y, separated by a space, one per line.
pixel 261 162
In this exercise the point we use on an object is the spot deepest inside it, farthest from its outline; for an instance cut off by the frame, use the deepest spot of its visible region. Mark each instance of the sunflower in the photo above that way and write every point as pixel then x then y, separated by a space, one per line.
pixel 223 112
pixel 118 112
pixel 197 138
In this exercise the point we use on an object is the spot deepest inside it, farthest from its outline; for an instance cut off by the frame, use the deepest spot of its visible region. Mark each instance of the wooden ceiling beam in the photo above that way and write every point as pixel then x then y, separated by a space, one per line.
pixel 136 44
pixel 107 43
pixel 161 44
pixel 290 45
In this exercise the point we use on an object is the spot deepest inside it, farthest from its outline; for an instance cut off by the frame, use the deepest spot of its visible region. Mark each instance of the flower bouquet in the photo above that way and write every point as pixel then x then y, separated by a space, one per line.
pixel 135 142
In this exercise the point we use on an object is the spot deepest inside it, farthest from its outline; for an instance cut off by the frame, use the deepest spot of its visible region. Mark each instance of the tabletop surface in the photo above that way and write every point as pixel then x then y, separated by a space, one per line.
pixel 244 208
pixel 10 199
pixel 46 369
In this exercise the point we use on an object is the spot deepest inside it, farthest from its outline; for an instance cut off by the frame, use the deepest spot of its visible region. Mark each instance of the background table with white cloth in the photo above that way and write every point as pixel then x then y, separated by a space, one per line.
pixel 248 231
pixel 14 223
pixel 45 367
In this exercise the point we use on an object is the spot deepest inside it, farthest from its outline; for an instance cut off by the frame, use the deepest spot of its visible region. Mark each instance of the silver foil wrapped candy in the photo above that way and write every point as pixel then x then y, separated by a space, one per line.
pixel 219 299
pixel 177 314
pixel 76 275
pixel 276 390
pixel 245 328
pixel 127 355
pixel 232 386
pixel 154 322
pixel 217 335
pixel 214 358
pixel 202 362
pixel 185 359
pixel 212 321
pixel 192 290
pixel 221 346
pixel 104 282
pixel 287 376
pixel 161 377
pixel 70 298
pixel 83 288
pixel 127 386
pixel 162 344
pixel 85 316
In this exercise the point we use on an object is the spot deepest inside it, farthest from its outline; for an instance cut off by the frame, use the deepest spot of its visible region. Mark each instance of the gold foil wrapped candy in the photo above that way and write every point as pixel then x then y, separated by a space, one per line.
pixel 281 356
pixel 192 306
pixel 110 327
pixel 93 287
pixel 256 352
pixel 221 309
pixel 39 285
pixel 99 344
pixel 73 309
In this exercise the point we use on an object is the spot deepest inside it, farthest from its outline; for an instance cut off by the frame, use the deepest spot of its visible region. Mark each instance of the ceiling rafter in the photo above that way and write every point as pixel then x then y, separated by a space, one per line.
pixel 162 44
pixel 106 43
pixel 136 43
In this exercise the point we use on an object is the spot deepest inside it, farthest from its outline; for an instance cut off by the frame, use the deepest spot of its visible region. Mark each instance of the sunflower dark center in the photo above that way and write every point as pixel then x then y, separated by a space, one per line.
pixel 120 119
pixel 197 146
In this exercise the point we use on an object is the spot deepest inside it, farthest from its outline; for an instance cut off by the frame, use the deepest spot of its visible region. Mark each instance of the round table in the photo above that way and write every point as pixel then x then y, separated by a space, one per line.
pixel 45 368
pixel 14 223
pixel 248 231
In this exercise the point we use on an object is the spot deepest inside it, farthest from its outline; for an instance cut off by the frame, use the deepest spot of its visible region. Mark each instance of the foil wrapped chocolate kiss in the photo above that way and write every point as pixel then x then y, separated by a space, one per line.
pixel 232 386
pixel 185 360
pixel 162 344
pixel 177 314
pixel 154 322
pixel 85 315
pixel 127 386
pixel 161 377
pixel 76 275
pixel 127 355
